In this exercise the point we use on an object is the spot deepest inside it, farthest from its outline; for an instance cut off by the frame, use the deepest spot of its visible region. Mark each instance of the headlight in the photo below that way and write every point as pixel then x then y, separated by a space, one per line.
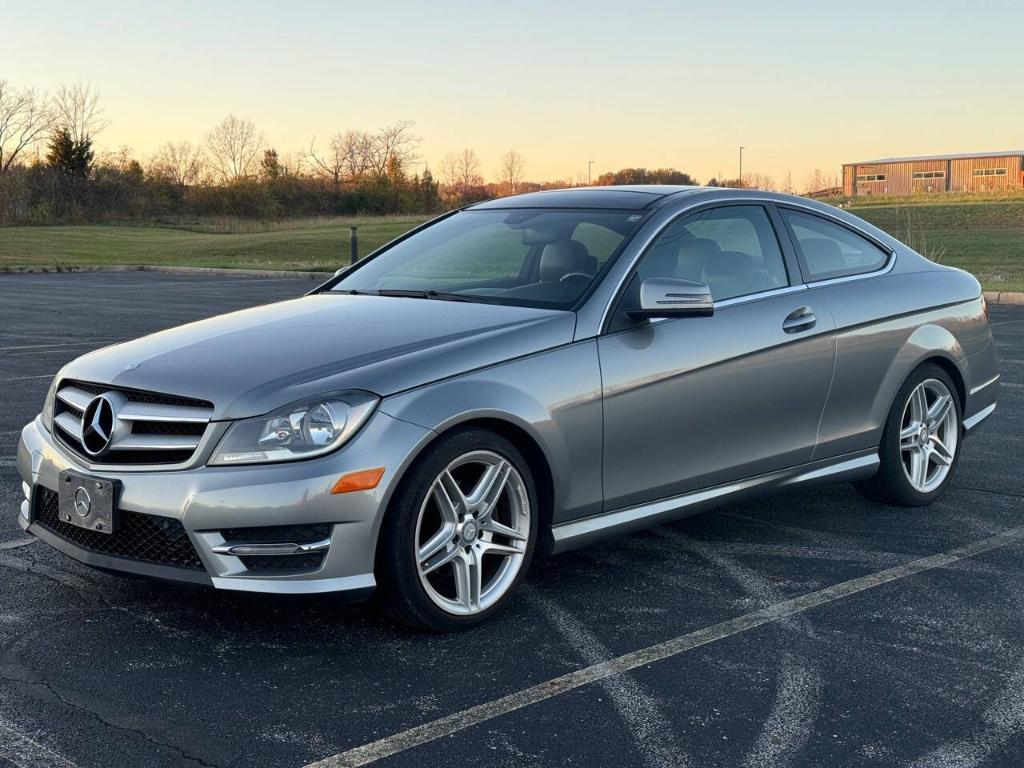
pixel 47 414
pixel 299 431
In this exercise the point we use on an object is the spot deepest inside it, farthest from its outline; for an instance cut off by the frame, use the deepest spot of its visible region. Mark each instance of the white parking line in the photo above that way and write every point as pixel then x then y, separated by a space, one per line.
pixel 58 344
pixel 17 543
pixel 467 718
pixel 25 752
pixel 636 706
pixel 26 378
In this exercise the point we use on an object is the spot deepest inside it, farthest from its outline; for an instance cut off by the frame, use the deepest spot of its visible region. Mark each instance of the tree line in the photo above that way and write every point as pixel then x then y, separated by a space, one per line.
pixel 51 171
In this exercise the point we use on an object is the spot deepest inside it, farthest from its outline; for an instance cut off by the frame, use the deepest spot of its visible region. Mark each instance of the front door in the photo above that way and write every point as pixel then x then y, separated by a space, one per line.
pixel 691 403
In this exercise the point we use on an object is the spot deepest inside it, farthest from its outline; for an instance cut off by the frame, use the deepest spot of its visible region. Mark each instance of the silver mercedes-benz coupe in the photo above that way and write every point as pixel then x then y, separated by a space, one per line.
pixel 527 374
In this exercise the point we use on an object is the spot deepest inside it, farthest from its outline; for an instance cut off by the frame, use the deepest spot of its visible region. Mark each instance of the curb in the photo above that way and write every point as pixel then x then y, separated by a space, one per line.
pixel 266 273
pixel 1004 297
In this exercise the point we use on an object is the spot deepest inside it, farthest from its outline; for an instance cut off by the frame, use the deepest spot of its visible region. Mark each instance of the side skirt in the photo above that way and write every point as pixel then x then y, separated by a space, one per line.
pixel 578 533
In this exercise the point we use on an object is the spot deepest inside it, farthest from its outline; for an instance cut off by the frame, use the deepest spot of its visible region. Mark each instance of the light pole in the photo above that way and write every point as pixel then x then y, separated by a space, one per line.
pixel 590 164
pixel 741 167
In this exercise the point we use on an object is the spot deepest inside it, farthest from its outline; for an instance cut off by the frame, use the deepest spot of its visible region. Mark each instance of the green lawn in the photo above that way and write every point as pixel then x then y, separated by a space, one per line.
pixel 986 238
pixel 314 245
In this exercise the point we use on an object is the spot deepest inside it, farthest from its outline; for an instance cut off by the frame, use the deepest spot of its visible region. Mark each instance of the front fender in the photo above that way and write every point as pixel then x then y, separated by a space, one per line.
pixel 553 397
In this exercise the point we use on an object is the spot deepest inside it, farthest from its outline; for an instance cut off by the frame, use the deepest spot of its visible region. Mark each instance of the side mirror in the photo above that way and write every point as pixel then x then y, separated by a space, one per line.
pixel 668 297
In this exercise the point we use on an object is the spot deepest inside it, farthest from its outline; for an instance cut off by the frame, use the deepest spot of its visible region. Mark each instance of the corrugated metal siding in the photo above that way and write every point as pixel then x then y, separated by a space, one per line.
pixel 958 176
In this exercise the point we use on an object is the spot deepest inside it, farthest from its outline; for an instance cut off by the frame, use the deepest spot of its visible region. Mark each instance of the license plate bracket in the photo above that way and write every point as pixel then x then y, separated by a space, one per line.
pixel 87 502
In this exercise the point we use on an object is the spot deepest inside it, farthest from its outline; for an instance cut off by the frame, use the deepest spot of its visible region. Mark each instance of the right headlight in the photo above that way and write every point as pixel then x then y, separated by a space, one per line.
pixel 302 430
pixel 47 412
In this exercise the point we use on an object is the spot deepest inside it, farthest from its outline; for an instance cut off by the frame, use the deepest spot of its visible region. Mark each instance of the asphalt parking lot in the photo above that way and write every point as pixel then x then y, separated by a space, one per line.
pixel 715 641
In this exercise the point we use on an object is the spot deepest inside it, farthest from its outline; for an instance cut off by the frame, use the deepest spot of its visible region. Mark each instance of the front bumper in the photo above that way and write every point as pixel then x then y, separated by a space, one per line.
pixel 208 500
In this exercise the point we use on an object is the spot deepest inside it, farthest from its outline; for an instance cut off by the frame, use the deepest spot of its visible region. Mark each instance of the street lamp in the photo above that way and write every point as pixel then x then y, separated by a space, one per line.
pixel 590 164
pixel 741 167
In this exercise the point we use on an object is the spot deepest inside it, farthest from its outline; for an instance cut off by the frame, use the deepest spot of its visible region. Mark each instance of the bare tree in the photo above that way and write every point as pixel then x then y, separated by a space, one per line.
pixel 818 181
pixel 78 111
pixel 179 163
pixel 347 157
pixel 461 170
pixel 234 147
pixel 759 181
pixel 511 173
pixel 25 117
pixel 394 147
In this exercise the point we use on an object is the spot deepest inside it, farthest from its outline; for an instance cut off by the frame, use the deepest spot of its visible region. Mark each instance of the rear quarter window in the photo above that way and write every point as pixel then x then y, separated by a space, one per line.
pixel 829 250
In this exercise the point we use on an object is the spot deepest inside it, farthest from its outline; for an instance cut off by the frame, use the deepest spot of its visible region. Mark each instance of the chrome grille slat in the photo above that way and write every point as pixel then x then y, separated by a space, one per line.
pixel 178 413
pixel 155 443
pixel 147 428
pixel 69 423
pixel 75 397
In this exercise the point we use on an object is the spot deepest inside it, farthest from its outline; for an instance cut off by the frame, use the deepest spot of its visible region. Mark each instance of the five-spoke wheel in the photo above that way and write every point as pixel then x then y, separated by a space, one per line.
pixel 472 531
pixel 459 533
pixel 929 435
pixel 920 441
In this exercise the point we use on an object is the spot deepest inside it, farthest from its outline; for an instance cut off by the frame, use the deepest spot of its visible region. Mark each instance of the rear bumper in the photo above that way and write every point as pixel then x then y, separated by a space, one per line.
pixel 209 500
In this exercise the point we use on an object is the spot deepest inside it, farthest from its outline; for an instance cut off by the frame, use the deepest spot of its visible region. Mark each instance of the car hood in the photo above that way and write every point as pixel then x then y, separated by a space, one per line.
pixel 252 361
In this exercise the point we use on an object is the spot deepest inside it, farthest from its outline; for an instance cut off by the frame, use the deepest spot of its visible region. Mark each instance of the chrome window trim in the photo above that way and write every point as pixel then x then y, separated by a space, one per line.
pixel 840 222
pixel 749 297
pixel 885 269
pixel 887 266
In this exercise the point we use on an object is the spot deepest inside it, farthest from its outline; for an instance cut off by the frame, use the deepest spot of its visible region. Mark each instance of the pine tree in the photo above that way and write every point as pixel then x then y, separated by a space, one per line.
pixel 69 156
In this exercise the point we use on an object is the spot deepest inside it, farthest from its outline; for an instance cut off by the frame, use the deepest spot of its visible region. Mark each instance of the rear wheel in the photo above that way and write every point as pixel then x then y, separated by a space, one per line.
pixel 460 533
pixel 920 442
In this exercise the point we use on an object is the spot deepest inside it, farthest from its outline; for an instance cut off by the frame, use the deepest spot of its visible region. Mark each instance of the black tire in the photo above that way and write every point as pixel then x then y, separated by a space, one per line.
pixel 890 485
pixel 400 594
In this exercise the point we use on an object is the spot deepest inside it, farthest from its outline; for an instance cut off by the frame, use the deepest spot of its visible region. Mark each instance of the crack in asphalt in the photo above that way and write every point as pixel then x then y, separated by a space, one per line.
pixel 109 723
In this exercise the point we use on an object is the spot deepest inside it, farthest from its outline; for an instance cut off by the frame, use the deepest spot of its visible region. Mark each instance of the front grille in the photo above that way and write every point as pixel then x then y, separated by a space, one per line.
pixel 144 428
pixel 146 538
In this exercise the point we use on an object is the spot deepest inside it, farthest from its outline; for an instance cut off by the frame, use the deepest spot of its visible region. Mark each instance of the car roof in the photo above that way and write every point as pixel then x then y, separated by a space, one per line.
pixel 630 198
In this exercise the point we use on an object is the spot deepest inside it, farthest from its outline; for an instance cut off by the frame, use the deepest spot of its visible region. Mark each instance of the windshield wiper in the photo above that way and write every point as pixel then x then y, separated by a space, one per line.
pixel 438 295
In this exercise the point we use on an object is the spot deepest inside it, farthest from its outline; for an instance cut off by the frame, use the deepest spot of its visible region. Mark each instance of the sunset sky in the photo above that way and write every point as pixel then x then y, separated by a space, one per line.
pixel 800 84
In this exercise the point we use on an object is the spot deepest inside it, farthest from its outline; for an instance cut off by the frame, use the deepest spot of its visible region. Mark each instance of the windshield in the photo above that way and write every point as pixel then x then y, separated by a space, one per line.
pixel 540 258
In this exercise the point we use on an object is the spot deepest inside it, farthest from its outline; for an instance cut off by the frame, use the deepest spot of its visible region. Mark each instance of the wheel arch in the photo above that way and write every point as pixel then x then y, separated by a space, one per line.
pixel 929 343
pixel 516 433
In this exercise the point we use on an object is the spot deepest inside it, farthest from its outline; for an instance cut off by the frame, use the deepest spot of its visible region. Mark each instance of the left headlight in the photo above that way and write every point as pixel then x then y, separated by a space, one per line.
pixel 299 431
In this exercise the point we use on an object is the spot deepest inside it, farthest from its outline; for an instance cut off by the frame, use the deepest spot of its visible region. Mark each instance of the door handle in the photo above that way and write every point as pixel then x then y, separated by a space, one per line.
pixel 801 319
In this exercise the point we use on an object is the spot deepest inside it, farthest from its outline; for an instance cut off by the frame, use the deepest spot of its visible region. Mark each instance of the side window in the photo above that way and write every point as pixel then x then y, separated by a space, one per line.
pixel 732 249
pixel 829 250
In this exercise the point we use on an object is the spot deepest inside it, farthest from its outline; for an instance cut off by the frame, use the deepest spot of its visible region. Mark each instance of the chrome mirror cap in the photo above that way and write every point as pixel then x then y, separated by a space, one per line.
pixel 670 297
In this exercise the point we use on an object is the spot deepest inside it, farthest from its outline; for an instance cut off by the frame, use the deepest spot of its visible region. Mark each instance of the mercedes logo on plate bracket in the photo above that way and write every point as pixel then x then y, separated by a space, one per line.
pixel 83 502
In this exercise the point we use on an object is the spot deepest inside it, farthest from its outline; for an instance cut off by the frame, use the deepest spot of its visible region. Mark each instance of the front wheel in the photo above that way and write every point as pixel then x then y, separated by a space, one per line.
pixel 460 533
pixel 920 442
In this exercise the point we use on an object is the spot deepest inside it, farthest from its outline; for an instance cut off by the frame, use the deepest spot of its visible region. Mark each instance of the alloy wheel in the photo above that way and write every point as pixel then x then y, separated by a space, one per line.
pixel 472 533
pixel 928 435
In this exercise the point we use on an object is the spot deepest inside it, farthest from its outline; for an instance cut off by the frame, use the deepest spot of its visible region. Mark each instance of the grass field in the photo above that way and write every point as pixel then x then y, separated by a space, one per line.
pixel 986 238
pixel 308 245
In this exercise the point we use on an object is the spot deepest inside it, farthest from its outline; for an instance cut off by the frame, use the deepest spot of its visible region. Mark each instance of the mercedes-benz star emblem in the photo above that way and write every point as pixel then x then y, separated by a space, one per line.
pixel 98 425
pixel 83 502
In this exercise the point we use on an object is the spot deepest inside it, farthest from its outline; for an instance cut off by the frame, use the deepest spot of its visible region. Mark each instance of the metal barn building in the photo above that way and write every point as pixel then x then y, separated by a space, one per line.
pixel 979 172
